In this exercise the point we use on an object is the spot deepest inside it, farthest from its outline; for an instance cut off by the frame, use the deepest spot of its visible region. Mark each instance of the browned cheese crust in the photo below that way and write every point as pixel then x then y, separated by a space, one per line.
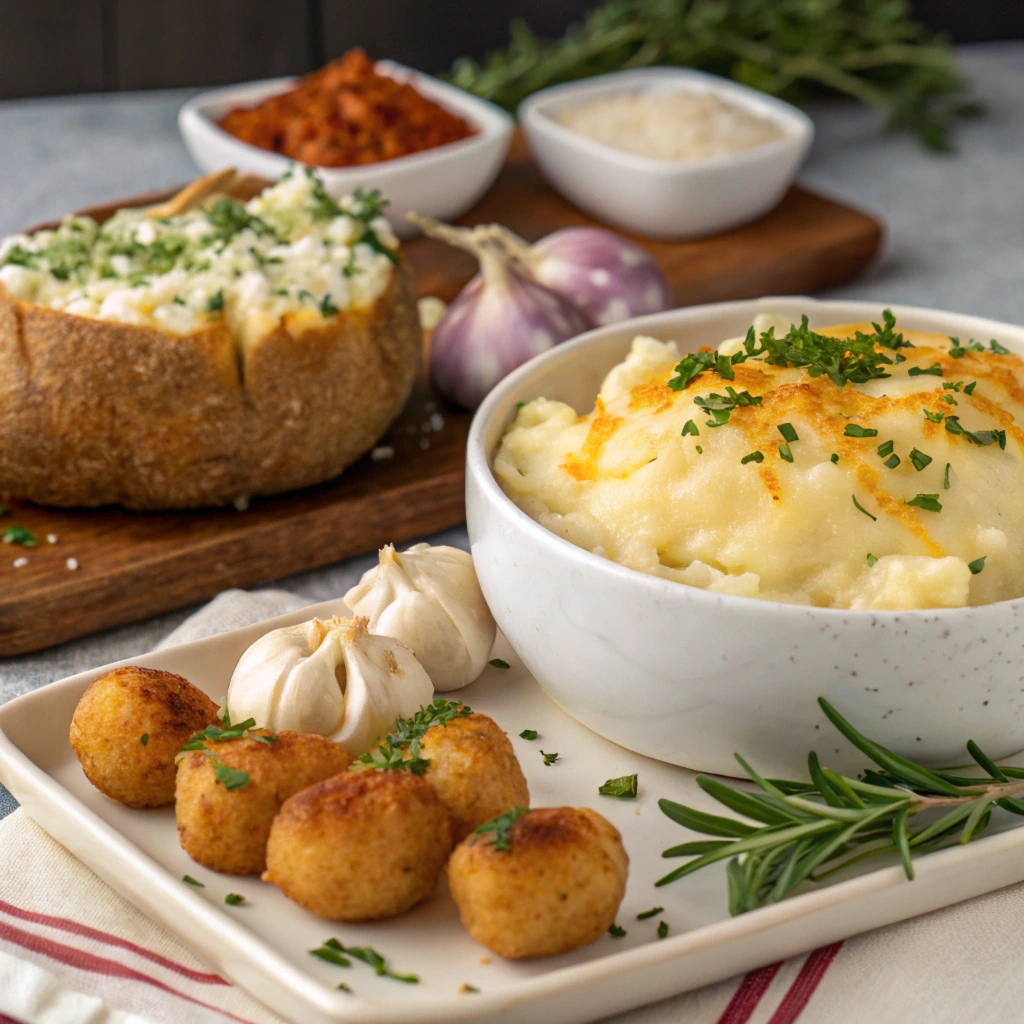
pixel 474 770
pixel 226 830
pixel 557 888
pixel 94 412
pixel 115 713
pixel 361 846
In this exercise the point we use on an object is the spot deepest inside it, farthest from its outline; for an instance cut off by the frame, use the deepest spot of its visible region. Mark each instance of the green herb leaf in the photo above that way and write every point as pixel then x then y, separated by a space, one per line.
pixel 529 734
pixel 935 370
pixel 662 929
pixel 885 448
pixel 855 430
pixel 549 759
pixel 690 367
pixel 625 787
pixel 969 388
pixel 1000 350
pixel 861 508
pixel 785 453
pixel 977 565
pixel 871 559
pixel 752 457
pixel 788 432
pixel 230 778
pixel 215 301
pixel 191 881
pixel 469 989
pixel 616 932
pixel 893 461
pixel 18 535
pixel 647 914
pixel 144 739
pixel 958 351
pixel 945 478
pixel 400 751
pixel 331 955
pixel 834 458
pixel 690 428
pixel 935 417
pixel 499 663
pixel 233 899
pixel 500 828
pixel 919 459
pixel 929 502
pixel 700 451
pixel 327 307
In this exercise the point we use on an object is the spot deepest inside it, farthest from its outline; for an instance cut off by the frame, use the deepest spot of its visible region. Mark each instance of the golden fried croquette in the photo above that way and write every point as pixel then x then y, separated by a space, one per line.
pixel 129 725
pixel 226 828
pixel 542 884
pixel 474 770
pixel 361 846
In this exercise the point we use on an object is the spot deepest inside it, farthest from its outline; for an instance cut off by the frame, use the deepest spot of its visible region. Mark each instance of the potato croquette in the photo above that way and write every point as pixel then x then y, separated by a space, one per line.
pixel 550 882
pixel 226 829
pixel 474 771
pixel 129 725
pixel 361 846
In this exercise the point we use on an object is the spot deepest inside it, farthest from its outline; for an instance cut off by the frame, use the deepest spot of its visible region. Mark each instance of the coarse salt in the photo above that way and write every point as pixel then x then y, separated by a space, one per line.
pixel 19 562
pixel 71 563
pixel 384 451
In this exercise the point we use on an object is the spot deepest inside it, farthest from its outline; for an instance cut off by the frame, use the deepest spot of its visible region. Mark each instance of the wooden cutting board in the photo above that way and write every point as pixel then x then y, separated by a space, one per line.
pixel 132 565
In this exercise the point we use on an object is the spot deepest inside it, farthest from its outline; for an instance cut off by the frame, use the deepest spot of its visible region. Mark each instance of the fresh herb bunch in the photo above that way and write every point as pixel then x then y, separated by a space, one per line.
pixel 871 50
pixel 401 749
pixel 812 830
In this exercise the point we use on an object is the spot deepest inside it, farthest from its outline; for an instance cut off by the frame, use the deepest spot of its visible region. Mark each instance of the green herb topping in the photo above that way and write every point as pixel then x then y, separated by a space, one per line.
pixel 720 407
pixel 935 370
pixel 529 734
pixel 871 559
pixel 788 432
pixel 935 417
pixel 233 899
pixel 969 388
pixel 690 428
pixel 893 461
pixel 327 307
pixel 401 749
pixel 500 828
pixel 18 535
pixel 625 787
pixel 498 663
pixel 468 989
pixel 834 458
pixel 885 448
pixel 662 929
pixel 549 759
pixel 982 438
pixel 752 457
pixel 648 914
pixel 861 508
pixel 977 565
pixel 700 451
pixel 945 478
pixel 785 453
pixel 189 880
pixel 855 430
pixel 333 952
pixel 919 459
pixel 999 350
pixel 929 502
pixel 616 932
pixel 230 778
pixel 215 301
pixel 958 351
pixel 144 739
pixel 690 367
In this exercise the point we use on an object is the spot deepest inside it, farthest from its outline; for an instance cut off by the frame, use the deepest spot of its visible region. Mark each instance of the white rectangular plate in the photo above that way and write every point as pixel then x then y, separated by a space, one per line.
pixel 263 945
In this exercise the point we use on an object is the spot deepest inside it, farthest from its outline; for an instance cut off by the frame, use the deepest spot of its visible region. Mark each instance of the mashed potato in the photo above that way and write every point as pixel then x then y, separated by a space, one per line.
pixel 894 483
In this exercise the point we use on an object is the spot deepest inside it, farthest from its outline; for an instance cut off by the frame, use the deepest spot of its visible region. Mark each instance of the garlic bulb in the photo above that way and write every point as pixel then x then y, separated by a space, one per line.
pixel 331 678
pixel 430 599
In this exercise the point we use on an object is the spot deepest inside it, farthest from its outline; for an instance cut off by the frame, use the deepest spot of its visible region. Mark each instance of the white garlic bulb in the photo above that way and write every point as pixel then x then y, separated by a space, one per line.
pixel 331 678
pixel 429 598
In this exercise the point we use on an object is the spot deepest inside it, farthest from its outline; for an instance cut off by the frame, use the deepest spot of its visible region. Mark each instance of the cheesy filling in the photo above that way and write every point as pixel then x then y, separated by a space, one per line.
pixel 292 256
pixel 891 480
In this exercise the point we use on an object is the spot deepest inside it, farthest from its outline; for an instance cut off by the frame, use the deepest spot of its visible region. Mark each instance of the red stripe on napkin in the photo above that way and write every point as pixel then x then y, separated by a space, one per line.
pixel 800 992
pixel 745 999
pixel 86 932
pixel 4 1019
pixel 83 961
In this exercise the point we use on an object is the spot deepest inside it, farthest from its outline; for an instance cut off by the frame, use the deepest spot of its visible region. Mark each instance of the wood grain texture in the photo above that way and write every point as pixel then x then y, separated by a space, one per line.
pixel 135 565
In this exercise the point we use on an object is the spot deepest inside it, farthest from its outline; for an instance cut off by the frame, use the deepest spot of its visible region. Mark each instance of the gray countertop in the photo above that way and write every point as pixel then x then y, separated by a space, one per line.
pixel 955 228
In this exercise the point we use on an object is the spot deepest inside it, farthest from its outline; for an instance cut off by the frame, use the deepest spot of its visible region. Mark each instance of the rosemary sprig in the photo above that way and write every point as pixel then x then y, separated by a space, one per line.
pixel 808 831
pixel 870 50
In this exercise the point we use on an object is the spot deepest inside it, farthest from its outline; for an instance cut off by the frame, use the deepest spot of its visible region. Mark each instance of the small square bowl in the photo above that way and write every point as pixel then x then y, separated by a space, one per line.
pixel 442 182
pixel 666 199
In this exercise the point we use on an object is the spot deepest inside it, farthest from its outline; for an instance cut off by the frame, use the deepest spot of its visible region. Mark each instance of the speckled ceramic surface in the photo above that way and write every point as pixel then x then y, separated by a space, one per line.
pixel 690 676
pixel 263 944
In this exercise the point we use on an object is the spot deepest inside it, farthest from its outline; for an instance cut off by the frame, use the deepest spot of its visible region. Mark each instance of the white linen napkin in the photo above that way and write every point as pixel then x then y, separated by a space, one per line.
pixel 74 952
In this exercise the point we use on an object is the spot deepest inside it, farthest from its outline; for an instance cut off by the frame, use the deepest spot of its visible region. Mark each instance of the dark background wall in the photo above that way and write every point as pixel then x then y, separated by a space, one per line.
pixel 50 47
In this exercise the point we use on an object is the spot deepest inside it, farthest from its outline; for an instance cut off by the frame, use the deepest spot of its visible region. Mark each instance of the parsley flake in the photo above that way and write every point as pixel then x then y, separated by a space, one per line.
pixel 919 459
pixel 616 932
pixel 935 370
pixel 977 565
pixel 499 663
pixel 958 351
pixel 892 462
pixel 871 559
pixel 861 508
pixel 689 427
pixel 929 502
pixel 144 739
pixel 662 929
pixel 529 734
pixel 788 432
pixel 647 914
pixel 945 478
pixel 834 458
pixel 752 457
pixel 327 307
pixel 329 954
pixel 233 899
pixel 549 759
pixel 969 388
pixel 216 301
pixel 625 787
pixel 935 417
pixel 468 989
pixel 885 448
pixel 700 451
pixel 855 430
pixel 19 535
pixel 785 453
pixel 334 952
pixel 500 828
pixel 189 880
pixel 999 350
pixel 690 367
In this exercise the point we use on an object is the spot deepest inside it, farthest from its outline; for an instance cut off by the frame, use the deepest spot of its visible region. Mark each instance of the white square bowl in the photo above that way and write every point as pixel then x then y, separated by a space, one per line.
pixel 442 182
pixel 665 199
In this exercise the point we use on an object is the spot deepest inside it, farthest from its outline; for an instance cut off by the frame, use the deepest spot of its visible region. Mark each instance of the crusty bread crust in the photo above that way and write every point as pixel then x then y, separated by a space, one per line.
pixel 95 412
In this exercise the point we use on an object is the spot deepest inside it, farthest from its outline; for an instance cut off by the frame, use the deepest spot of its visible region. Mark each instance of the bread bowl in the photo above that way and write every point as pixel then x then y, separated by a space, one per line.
pixel 196 359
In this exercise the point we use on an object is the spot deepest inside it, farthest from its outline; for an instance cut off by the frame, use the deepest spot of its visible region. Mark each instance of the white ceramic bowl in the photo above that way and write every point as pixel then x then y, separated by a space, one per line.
pixel 689 676
pixel 442 182
pixel 665 198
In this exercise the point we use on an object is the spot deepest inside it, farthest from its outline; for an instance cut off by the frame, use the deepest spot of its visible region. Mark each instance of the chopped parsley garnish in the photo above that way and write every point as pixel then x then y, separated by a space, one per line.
pixel 499 663
pixel 885 448
pixel 144 739
pixel 935 370
pixel 230 778
pixel 929 502
pixel 855 430
pixel 228 217
pixel 468 989
pixel 342 987
pixel 690 367
pixel 785 453
pixel 328 308
pixel 999 350
pixel 752 457
pixel 625 787
pixel 391 752
pixel 892 462
pixel 861 508
pixel 700 451
pixel 529 734
pixel 647 914
pixel 834 458
pixel 982 438
pixel 689 427
pixel 215 301
pixel 977 565
pixel 333 952
pixel 233 899
pixel 18 535
pixel 189 880
pixel 662 929
pixel 616 932
pixel 871 559
pixel 958 351
pixel 919 459
pixel 969 388
pixel 720 407
pixel 788 432
pixel 945 478
pixel 549 759
pixel 935 417
pixel 500 828
pixel 723 364
pixel 949 385
pixel 950 400
pixel 329 954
